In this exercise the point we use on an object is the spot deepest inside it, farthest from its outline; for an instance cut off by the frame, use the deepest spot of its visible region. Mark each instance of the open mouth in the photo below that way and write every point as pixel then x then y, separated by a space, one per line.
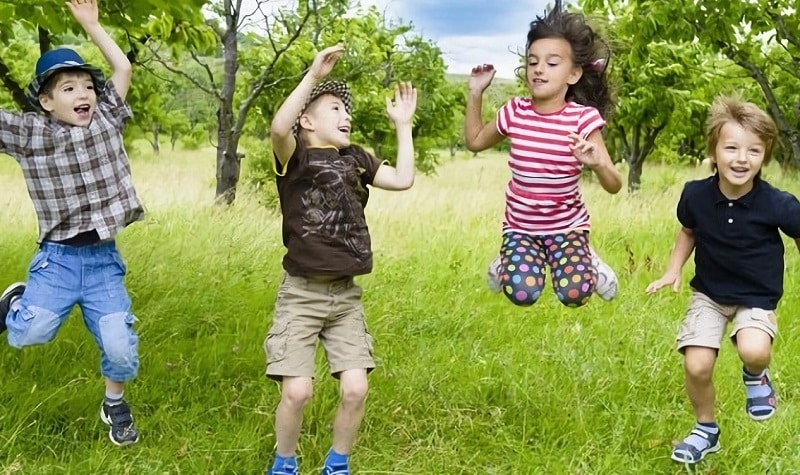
pixel 83 111
pixel 344 129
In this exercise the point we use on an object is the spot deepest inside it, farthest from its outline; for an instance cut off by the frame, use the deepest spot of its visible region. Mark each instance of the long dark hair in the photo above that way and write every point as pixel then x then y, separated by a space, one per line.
pixel 589 51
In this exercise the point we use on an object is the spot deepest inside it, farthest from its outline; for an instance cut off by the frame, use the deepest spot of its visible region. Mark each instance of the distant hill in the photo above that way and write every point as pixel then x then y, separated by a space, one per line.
pixel 463 78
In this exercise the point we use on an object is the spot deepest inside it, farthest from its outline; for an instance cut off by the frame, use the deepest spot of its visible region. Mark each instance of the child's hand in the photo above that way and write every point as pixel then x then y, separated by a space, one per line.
pixel 401 111
pixel 325 60
pixel 584 151
pixel 84 11
pixel 667 279
pixel 480 77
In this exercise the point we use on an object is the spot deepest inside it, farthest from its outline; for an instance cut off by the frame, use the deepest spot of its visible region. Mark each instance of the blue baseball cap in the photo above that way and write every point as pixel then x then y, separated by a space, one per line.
pixel 57 60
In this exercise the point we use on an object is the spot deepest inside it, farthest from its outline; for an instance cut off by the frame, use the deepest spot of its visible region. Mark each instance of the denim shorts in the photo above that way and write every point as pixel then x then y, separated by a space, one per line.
pixel 61 276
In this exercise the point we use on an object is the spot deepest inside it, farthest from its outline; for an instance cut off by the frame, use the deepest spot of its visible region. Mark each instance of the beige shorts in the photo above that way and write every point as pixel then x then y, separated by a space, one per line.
pixel 307 310
pixel 706 321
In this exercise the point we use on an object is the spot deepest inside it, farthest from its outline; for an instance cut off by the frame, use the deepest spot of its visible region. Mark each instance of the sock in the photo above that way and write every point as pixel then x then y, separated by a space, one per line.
pixel 12 304
pixel 335 458
pixel 112 399
pixel 702 443
pixel 756 390
pixel 282 463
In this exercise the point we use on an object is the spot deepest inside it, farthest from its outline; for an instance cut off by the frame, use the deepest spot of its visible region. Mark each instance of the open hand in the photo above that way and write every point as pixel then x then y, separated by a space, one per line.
pixel 480 77
pixel 325 60
pixel 84 11
pixel 667 279
pixel 402 109
pixel 584 151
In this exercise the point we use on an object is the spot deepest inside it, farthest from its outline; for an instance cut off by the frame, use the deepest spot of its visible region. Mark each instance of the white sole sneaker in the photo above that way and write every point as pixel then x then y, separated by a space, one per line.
pixel 607 284
pixel 493 275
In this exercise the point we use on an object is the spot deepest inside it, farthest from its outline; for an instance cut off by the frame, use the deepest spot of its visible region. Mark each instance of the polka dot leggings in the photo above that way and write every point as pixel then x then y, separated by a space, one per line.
pixel 523 267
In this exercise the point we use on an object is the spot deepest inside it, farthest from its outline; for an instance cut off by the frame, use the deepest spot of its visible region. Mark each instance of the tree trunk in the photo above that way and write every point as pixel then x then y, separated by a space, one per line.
pixel 634 173
pixel 154 143
pixel 228 162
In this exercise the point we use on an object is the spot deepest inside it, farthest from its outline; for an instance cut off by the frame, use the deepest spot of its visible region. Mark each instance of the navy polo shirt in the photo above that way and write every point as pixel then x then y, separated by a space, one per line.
pixel 738 252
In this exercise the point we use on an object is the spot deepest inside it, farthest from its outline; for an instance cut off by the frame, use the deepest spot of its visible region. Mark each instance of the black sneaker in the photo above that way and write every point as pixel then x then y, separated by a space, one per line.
pixel 12 292
pixel 119 417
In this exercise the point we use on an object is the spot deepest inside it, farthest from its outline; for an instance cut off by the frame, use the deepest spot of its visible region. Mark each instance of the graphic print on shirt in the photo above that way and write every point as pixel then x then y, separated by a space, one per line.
pixel 334 204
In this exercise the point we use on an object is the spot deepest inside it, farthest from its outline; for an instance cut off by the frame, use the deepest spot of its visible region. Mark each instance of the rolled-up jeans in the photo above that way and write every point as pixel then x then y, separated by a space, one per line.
pixel 93 277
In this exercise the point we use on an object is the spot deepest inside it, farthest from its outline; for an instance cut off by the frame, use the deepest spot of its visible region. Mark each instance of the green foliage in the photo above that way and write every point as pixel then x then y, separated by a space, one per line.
pixel 259 172
pixel 379 54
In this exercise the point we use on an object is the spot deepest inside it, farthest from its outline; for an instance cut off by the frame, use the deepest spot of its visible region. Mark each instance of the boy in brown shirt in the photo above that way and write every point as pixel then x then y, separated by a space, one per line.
pixel 322 183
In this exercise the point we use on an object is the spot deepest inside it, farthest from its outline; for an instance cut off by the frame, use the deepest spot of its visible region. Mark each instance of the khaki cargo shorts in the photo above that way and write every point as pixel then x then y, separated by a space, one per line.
pixel 307 310
pixel 706 321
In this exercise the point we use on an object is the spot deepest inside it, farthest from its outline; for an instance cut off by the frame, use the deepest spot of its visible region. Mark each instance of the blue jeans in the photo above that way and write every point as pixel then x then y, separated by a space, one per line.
pixel 61 276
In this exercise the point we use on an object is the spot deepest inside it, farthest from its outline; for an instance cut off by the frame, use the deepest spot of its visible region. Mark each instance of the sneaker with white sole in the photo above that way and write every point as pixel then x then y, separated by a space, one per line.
pixel 606 285
pixel 493 278
pixel 12 293
pixel 122 432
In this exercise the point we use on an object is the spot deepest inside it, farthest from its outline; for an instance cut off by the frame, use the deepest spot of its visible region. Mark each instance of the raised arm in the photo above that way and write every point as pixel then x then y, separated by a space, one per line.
pixel 684 245
pixel 86 13
pixel 477 135
pixel 280 132
pixel 401 112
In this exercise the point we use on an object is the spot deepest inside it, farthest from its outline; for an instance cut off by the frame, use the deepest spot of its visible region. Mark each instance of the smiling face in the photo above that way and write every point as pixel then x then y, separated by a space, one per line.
pixel 738 156
pixel 550 72
pixel 326 122
pixel 70 97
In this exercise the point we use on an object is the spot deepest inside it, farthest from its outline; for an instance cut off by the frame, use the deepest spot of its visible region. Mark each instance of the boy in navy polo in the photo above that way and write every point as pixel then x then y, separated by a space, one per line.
pixel 732 221
pixel 79 179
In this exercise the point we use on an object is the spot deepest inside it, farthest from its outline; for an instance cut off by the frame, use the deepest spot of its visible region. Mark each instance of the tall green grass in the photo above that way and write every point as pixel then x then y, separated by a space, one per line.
pixel 467 382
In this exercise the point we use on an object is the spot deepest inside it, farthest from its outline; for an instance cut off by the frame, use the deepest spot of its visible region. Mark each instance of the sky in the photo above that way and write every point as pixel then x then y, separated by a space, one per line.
pixel 469 32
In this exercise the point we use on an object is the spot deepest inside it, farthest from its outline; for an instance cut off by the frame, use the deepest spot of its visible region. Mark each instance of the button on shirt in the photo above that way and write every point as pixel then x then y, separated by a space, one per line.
pixel 78 178
pixel 739 253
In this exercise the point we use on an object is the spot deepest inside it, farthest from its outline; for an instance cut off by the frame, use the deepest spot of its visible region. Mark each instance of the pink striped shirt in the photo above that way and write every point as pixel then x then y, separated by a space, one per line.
pixel 542 196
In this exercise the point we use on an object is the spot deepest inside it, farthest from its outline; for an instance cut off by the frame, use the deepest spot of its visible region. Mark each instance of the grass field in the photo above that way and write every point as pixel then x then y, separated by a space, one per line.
pixel 467 383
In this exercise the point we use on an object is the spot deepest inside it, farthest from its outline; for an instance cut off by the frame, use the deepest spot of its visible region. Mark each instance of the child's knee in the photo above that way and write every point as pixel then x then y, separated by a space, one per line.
pixel 354 391
pixel 699 363
pixel 522 296
pixel 31 326
pixel 119 345
pixel 296 392
pixel 573 297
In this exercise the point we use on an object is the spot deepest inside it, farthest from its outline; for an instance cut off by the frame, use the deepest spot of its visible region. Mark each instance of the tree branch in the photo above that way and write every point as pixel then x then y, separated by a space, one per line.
pixel 211 92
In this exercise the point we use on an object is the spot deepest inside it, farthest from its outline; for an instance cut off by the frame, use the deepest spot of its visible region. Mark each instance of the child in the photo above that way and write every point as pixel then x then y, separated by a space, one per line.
pixel 732 221
pixel 79 180
pixel 322 183
pixel 553 133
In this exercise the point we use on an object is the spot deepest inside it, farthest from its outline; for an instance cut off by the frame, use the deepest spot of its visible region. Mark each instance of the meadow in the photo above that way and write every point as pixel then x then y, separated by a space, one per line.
pixel 467 383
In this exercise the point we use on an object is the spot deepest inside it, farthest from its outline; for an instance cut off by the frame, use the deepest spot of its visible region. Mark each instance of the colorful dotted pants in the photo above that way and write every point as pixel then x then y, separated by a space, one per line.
pixel 523 264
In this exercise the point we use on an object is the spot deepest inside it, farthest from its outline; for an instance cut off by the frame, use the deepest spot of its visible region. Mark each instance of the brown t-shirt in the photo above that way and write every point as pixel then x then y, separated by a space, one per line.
pixel 323 192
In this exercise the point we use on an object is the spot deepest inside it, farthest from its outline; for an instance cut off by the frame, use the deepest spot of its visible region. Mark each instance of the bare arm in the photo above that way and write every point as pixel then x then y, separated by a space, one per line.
pixel 401 111
pixel 477 135
pixel 280 132
pixel 684 245
pixel 86 13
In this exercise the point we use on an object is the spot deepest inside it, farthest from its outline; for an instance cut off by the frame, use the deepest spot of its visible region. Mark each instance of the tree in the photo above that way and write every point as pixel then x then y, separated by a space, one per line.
pixel 759 36
pixel 47 23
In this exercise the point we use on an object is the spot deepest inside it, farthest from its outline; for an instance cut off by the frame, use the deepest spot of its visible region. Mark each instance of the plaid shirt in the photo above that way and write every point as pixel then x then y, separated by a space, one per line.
pixel 78 178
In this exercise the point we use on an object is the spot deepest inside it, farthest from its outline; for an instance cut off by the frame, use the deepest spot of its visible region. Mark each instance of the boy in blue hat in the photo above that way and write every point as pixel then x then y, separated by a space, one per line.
pixel 79 179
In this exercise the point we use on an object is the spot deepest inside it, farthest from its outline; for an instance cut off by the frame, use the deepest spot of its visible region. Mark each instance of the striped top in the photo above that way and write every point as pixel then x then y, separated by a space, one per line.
pixel 542 196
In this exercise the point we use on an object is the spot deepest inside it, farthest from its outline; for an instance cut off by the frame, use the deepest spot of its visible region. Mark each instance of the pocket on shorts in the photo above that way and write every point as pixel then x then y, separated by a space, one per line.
pixel 43 276
pixel 369 340
pixel 275 343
